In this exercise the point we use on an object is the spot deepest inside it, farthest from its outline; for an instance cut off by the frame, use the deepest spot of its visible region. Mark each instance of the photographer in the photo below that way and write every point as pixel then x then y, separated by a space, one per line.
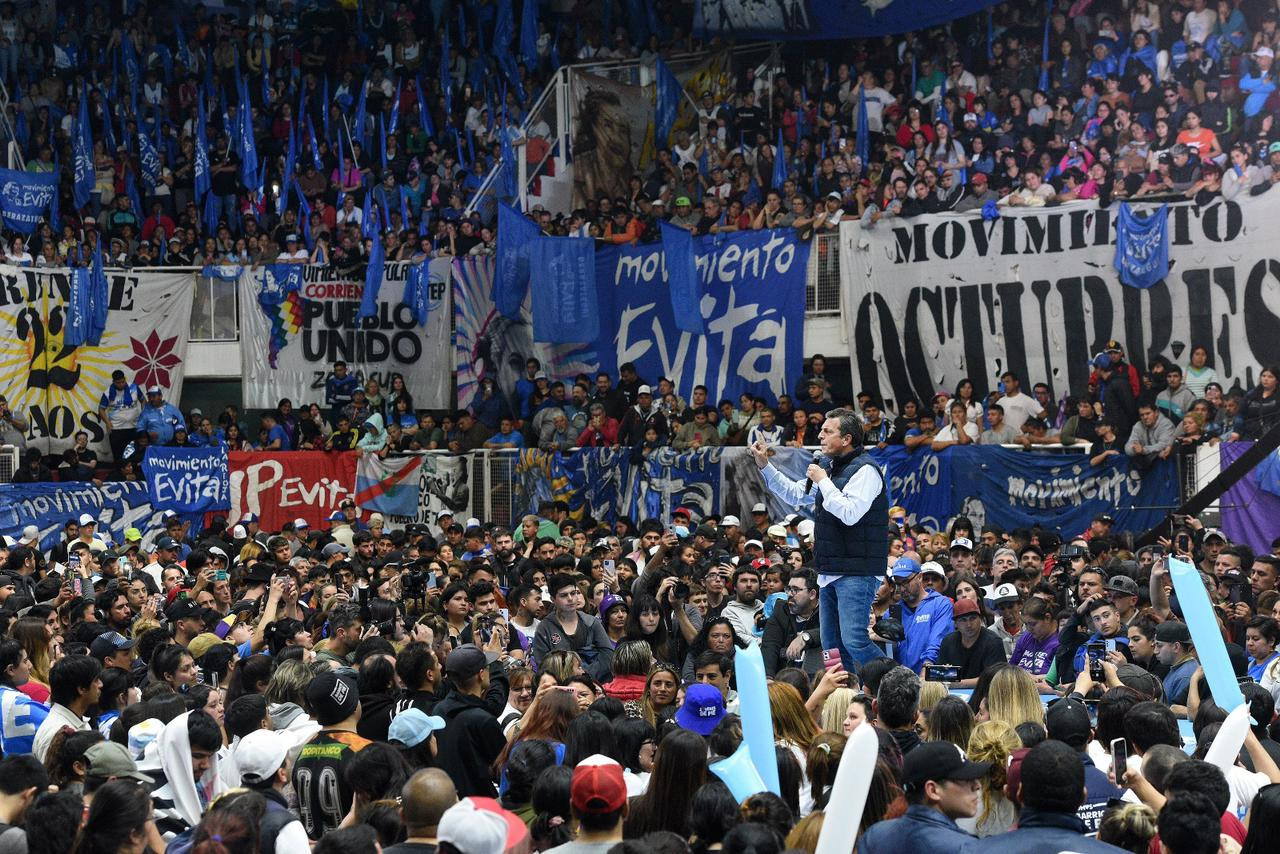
pixel 13 428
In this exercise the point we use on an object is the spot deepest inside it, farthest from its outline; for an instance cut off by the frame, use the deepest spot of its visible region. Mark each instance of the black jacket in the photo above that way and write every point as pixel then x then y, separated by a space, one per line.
pixel 469 743
pixel 779 630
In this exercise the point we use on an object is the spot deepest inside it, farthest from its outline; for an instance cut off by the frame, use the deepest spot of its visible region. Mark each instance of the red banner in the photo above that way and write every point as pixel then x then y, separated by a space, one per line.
pixel 281 486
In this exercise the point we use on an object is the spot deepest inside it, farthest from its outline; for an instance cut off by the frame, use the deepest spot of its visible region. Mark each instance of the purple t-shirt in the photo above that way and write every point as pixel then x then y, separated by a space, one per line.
pixel 1035 657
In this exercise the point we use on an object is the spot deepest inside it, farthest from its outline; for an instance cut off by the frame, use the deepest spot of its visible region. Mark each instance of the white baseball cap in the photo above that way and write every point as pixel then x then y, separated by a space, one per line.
pixel 755 543
pixel 962 543
pixel 87 519
pixel 262 752
pixel 805 529
pixel 476 831
pixel 759 508
pixel 932 567
pixel 728 521
pixel 30 534
pixel 1264 51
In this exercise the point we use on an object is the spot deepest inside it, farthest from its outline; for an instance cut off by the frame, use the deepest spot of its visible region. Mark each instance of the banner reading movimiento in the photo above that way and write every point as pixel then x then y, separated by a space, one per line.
pixel 936 298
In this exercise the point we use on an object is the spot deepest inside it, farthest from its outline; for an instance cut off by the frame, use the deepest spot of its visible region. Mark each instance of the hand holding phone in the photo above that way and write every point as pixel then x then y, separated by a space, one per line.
pixel 1119 759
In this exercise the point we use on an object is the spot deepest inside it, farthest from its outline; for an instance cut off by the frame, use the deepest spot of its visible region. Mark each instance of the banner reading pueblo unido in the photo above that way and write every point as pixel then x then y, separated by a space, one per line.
pixel 936 298
pixel 56 387
pixel 281 486
pixel 289 343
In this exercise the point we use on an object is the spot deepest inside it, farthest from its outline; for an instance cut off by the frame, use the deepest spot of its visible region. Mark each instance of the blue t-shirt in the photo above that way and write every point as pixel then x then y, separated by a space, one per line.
pixel 1178 682
pixel 278 432
pixel 1256 670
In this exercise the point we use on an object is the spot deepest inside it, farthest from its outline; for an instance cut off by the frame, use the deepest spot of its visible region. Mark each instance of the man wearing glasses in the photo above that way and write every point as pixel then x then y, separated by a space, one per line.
pixel 925 614
pixel 791 636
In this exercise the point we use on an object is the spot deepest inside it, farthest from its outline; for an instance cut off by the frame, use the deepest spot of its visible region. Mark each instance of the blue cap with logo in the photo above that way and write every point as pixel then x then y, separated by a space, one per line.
pixel 904 567
pixel 703 708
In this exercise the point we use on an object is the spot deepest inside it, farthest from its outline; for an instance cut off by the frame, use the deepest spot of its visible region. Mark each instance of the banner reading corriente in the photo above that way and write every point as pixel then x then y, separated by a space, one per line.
pixel 936 298
pixel 315 326
pixel 56 388
pixel 752 285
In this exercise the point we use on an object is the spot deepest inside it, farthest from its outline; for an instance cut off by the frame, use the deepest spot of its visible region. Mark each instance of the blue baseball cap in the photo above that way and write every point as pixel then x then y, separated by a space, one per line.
pixel 1102 361
pixel 904 567
pixel 412 727
pixel 703 708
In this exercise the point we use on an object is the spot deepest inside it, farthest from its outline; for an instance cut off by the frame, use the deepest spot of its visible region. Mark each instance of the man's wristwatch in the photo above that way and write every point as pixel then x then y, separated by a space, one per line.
pixel 807 637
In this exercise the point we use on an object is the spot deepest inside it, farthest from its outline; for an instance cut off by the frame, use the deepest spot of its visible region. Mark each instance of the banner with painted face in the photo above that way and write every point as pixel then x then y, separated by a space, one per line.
pixel 48 506
pixel 288 346
pixel 935 298
pixel 488 346
pixel 414 488
pixel 281 486
pixel 825 19
pixel 26 198
pixel 753 286
pixel 56 388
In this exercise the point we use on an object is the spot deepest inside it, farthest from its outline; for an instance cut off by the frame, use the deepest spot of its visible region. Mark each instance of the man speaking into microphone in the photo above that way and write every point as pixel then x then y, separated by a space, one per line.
pixel 851 517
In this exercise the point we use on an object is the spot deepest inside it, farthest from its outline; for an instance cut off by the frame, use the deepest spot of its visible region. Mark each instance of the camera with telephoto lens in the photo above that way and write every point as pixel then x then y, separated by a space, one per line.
pixel 415 583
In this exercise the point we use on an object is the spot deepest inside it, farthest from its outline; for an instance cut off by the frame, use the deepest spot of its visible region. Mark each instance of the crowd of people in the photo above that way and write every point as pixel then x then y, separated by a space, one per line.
pixel 567 685
pixel 1099 99
pixel 357 686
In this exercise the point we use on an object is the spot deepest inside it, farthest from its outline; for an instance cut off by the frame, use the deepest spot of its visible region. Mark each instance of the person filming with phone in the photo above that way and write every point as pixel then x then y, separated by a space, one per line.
pixel 851 513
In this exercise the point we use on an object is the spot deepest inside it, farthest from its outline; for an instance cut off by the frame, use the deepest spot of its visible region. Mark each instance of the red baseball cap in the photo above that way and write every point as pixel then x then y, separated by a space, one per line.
pixel 598 786
pixel 963 607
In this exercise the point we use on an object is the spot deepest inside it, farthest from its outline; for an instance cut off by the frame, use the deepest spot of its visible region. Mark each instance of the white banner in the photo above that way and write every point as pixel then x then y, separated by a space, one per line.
pixel 935 298
pixel 316 326
pixel 55 388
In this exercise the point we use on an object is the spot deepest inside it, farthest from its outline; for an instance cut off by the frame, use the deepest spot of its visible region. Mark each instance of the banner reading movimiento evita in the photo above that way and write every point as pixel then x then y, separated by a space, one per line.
pixel 55 387
pixel 292 330
pixel 825 19
pixel 935 298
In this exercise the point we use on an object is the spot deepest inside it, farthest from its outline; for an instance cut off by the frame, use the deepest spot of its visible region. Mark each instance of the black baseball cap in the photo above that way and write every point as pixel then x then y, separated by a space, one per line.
pixel 1067 721
pixel 939 761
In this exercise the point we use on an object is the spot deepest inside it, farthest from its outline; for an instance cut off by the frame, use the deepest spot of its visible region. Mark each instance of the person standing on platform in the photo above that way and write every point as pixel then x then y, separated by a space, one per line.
pixel 851 515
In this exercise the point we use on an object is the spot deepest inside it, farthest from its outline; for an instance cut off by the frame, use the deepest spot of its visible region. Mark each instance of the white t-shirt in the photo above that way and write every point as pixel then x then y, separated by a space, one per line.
pixel 1018 408
pixel 949 434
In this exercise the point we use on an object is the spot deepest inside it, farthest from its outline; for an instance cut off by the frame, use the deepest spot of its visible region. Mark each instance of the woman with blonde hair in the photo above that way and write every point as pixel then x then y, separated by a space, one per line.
pixel 994 742
pixel 834 710
pixel 1012 697
pixel 1130 826
pixel 33 634
pixel 792 724
pixel 661 694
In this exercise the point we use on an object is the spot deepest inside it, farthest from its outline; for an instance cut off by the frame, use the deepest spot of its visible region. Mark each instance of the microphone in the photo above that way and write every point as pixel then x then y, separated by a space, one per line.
pixel 808 482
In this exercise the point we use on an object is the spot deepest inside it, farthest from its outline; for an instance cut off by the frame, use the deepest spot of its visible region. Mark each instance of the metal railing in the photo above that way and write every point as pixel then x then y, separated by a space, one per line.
pixel 822 282
pixel 214 315
pixel 13 151
pixel 9 462
pixel 553 109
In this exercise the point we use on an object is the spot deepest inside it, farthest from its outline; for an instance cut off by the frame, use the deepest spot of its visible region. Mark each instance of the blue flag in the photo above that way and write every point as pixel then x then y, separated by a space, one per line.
pixel 1142 246
pixel 864 133
pixel 184 50
pixel 82 152
pixel 503 28
pixel 1044 46
pixel 27 196
pixel 131 190
pixel 368 228
pixel 417 291
pixel 149 160
pixel 372 280
pixel 358 133
pixel 511 272
pixel 779 164
pixel 669 94
pixel 77 310
pixel 510 168
pixel 99 298
pixel 682 278
pixel 563 285
pixel 395 108
pixel 529 34
pixel 446 79
pixel 248 145
pixel 324 113
pixel 202 176
pixel 315 147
